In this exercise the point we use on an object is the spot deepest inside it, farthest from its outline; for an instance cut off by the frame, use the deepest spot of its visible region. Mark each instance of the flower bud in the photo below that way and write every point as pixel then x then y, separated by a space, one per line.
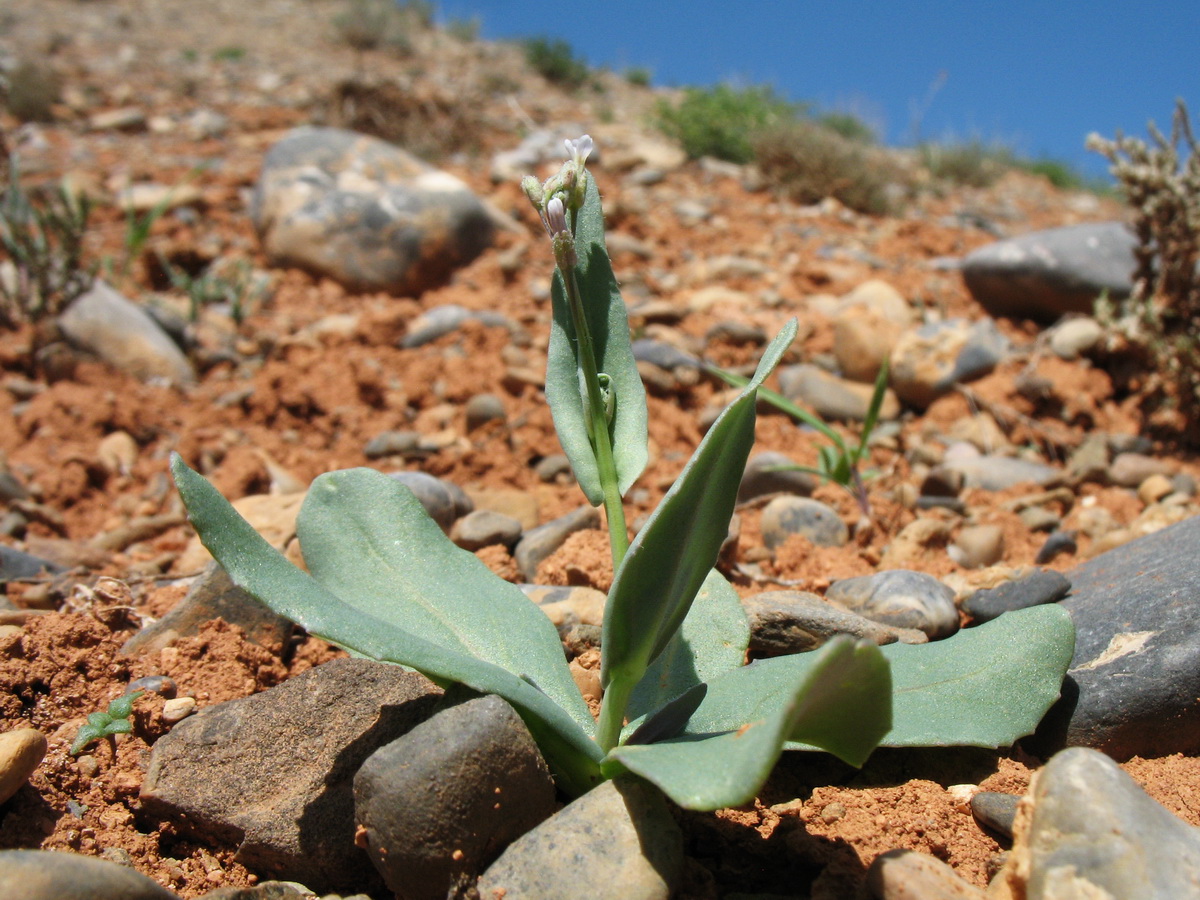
pixel 556 216
pixel 533 190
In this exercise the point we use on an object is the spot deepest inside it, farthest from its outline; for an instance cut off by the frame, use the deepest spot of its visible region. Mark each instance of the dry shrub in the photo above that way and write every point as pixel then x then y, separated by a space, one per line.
pixel 808 162
pixel 423 120
pixel 32 91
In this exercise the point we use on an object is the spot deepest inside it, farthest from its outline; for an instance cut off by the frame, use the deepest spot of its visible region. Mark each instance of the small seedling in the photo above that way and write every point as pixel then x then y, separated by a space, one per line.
pixel 114 720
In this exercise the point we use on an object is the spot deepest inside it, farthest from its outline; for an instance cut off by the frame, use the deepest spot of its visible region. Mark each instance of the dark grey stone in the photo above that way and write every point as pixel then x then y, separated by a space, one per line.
pixel 901 598
pixel 16 564
pixel 783 622
pixel 764 476
pixel 1094 832
pixel 441 320
pixel 985 349
pixel 395 225
pixel 391 443
pixel 663 355
pixel 10 488
pixel 267 890
pixel 832 397
pixel 1046 274
pixel 995 811
pixel 538 543
pixel 485 527
pixel 787 515
pixel 1043 586
pixel 1133 682
pixel 212 596
pixel 49 875
pixel 942 482
pixel 442 802
pixel 484 408
pixel 445 501
pixel 1057 543
pixel 616 842
pixel 272 773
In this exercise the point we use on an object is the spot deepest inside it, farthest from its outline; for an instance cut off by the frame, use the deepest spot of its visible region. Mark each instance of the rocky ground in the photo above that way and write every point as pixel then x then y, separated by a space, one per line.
pixel 1007 447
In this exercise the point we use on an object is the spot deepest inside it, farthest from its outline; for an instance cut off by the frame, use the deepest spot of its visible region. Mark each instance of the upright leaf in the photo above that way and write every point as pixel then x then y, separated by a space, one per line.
pixel 840 701
pixel 609 328
pixel 670 558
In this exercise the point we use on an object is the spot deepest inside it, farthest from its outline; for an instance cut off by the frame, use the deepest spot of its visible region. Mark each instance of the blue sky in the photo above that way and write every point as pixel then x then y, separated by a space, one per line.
pixel 1035 76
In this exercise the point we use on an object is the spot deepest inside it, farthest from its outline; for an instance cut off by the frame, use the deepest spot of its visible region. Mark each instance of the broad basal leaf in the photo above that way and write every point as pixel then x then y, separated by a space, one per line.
pixel 609 328
pixel 840 701
pixel 256 566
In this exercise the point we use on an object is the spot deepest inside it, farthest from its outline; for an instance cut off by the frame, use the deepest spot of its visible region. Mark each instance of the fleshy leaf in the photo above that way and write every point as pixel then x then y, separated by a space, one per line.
pixel 840 701
pixel 609 327
pixel 261 570
pixel 711 641
pixel 670 558
pixel 984 687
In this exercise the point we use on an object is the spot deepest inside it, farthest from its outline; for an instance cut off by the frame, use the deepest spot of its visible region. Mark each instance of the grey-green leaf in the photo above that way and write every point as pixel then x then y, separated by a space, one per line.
pixel 840 701
pixel 985 686
pixel 256 566
pixel 609 327
pixel 670 558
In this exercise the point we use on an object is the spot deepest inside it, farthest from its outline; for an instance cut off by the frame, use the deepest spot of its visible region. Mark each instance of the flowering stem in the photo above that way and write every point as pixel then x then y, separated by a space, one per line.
pixel 601 437
pixel 612 713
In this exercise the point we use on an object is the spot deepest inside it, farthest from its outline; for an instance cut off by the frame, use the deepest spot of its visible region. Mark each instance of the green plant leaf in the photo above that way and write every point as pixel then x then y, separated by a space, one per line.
pixel 669 560
pixel 262 571
pixel 609 328
pixel 711 641
pixel 872 416
pixel 840 701
pixel 984 687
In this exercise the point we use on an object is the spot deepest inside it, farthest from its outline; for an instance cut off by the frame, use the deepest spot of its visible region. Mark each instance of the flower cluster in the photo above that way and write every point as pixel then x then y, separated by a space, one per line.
pixel 563 192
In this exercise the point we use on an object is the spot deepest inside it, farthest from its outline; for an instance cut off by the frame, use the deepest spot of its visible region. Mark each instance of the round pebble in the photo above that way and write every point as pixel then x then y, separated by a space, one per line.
pixel 178 709
pixel 21 752
pixel 787 515
pixel 484 408
pixel 483 528
pixel 979 546
pixel 1154 488
pixel 995 811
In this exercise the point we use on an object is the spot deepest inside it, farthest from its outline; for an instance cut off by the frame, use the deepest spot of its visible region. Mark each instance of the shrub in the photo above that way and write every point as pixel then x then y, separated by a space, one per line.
pixel 639 76
pixel 1161 318
pixel 971 164
pixel 32 92
pixel 848 126
pixel 555 61
pixel 377 24
pixel 808 162
pixel 722 121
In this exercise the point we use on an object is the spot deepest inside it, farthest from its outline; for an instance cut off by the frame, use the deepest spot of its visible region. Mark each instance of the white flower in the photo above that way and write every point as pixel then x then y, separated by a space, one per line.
pixel 580 148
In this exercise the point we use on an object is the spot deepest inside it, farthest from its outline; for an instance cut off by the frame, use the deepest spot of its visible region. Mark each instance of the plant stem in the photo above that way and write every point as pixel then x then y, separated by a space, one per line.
pixel 601 437
pixel 612 713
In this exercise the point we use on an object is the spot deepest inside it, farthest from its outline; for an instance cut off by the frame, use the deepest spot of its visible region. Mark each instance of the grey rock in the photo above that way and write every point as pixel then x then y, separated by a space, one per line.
pixel 1133 682
pixel 1131 469
pixel 1039 518
pixel 272 773
pixel 16 564
pixel 566 606
pixel 442 802
pixel 549 468
pixel 833 397
pixel 787 515
pixel 665 356
pixel 445 501
pixel 1093 832
pixel 266 890
pixel 912 875
pixel 620 839
pixel 444 319
pixel 11 488
pixel 929 361
pixel 483 527
pixel 901 598
pixel 734 332
pixel 942 482
pixel 212 596
pixel 1057 543
pixel 1047 274
pixel 1043 586
pixel 364 212
pixel 121 333
pixel 1183 483
pixel 538 543
pixel 995 811
pixel 49 875
pixel 484 408
pixel 763 476
pixel 999 473
pixel 391 443
pixel 783 622
pixel 1089 461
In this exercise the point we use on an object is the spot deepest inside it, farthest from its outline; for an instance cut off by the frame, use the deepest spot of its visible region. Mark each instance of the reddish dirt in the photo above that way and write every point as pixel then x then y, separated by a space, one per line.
pixel 304 390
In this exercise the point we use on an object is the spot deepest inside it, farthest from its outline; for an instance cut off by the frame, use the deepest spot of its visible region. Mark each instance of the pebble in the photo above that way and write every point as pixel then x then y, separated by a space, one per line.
pixel 1135 676
pixel 663 355
pixel 734 332
pixel 1089 461
pixel 1039 518
pixel 272 890
pixel 1076 337
pixel 1042 586
pixel 538 543
pixel 929 361
pixel 623 845
pixel 942 482
pixel 120 332
pixel 484 408
pixel 444 500
pixel 550 468
pixel 995 811
pixel 909 875
pixel 832 397
pixel 117 453
pixel 364 212
pixel 1091 831
pixel 567 607
pixel 15 564
pixel 1131 469
pixel 1154 488
pixel 277 768
pixel 440 803
pixel 765 474
pixel 783 622
pixel 978 546
pixel 862 339
pixel 901 598
pixel 444 319
pixel 999 473
pixel 1057 543
pixel 786 516
pixel 1047 274
pixel 483 528
pixel 21 752
pixel 52 875
pixel 391 443
pixel 163 685
pixel 178 709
